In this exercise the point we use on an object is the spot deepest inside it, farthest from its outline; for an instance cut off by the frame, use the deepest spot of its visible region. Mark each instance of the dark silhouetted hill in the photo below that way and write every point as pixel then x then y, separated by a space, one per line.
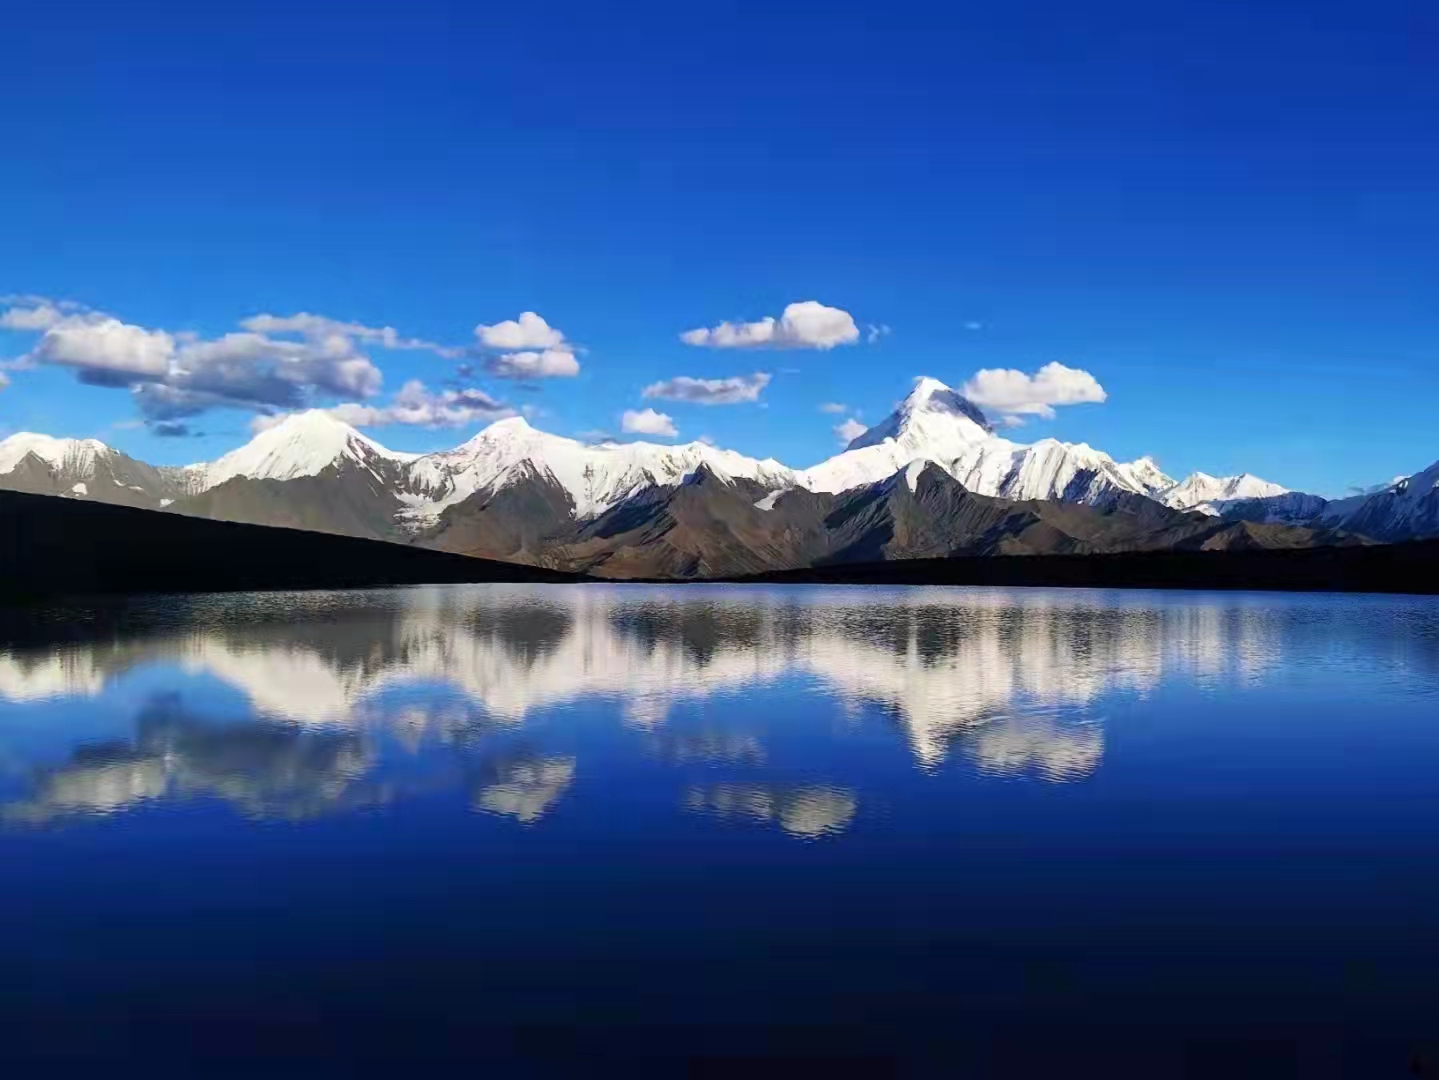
pixel 51 545
pixel 1411 567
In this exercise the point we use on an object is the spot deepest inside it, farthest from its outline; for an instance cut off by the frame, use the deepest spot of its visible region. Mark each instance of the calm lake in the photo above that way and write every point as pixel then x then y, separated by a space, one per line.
pixel 1014 829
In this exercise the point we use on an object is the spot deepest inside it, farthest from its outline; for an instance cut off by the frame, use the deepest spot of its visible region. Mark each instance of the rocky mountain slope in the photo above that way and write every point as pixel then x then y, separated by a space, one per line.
pixel 1407 509
pixel 933 478
pixel 712 527
pixel 85 469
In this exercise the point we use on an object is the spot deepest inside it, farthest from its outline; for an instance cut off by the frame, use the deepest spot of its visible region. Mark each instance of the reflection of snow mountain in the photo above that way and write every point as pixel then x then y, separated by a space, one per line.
pixel 946 664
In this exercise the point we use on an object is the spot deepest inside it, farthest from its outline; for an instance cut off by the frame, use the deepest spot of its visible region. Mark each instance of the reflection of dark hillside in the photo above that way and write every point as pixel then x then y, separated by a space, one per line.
pixel 526 630
pixel 932 631
pixel 700 627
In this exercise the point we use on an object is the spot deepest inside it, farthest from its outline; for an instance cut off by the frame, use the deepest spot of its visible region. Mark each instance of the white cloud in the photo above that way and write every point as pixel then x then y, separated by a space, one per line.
pixel 318 327
pixel 41 316
pixel 530 331
pixel 549 364
pixel 1014 393
pixel 833 407
pixel 731 391
pixel 849 430
pixel 105 349
pixel 252 370
pixel 648 422
pixel 807 324
pixel 415 404
pixel 537 350
pixel 180 374
pixel 4 380
pixel 265 421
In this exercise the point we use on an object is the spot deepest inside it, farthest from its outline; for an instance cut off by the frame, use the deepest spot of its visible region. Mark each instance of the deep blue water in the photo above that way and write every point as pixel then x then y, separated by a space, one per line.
pixel 547 828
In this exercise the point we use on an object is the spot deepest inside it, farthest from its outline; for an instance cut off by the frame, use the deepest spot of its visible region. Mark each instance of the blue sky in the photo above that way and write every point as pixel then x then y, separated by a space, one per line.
pixel 1225 213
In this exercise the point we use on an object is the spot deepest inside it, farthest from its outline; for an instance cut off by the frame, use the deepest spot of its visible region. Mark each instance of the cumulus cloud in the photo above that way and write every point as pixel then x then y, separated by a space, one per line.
pixel 849 430
pixel 833 407
pixel 648 422
pixel 731 391
pixel 253 371
pixel 1015 394
pixel 274 363
pixel 417 405
pixel 105 350
pixel 807 324
pixel 529 331
pixel 549 364
pixel 39 316
pixel 533 349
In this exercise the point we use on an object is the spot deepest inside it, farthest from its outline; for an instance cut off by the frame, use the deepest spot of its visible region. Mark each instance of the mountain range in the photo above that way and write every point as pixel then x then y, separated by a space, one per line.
pixel 933 479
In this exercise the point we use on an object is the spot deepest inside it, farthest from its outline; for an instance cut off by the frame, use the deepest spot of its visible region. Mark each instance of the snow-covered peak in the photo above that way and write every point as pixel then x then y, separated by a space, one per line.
pixel 71 455
pixel 1145 472
pixel 595 476
pixel 934 423
pixel 302 444
pixel 1409 508
pixel 931 418
pixel 1199 491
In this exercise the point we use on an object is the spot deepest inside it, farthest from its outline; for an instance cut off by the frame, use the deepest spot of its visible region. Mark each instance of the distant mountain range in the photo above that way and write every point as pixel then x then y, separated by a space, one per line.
pixel 933 479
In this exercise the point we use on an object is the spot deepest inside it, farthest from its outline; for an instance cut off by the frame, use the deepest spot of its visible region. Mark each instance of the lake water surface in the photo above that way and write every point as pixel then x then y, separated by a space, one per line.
pixel 1011 830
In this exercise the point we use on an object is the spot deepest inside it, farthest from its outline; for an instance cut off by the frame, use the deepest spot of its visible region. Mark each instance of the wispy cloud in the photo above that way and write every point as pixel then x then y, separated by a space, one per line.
pixel 416 405
pixel 732 391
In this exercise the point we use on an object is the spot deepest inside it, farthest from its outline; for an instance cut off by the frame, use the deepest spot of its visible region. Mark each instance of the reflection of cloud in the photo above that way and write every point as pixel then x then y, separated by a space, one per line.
pixel 94 783
pixel 1016 744
pixel 808 812
pixel 526 788
pixel 265 769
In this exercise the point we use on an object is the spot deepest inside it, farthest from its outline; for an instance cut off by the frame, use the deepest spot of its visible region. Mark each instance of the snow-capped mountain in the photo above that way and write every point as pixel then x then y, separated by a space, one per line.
pixel 70 456
pixel 82 469
pixel 595 477
pixel 1405 510
pixel 516 486
pixel 303 444
pixel 937 424
pixel 1205 493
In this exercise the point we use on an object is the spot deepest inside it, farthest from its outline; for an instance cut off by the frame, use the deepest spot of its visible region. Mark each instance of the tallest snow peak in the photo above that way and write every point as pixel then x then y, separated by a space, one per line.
pixel 933 417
